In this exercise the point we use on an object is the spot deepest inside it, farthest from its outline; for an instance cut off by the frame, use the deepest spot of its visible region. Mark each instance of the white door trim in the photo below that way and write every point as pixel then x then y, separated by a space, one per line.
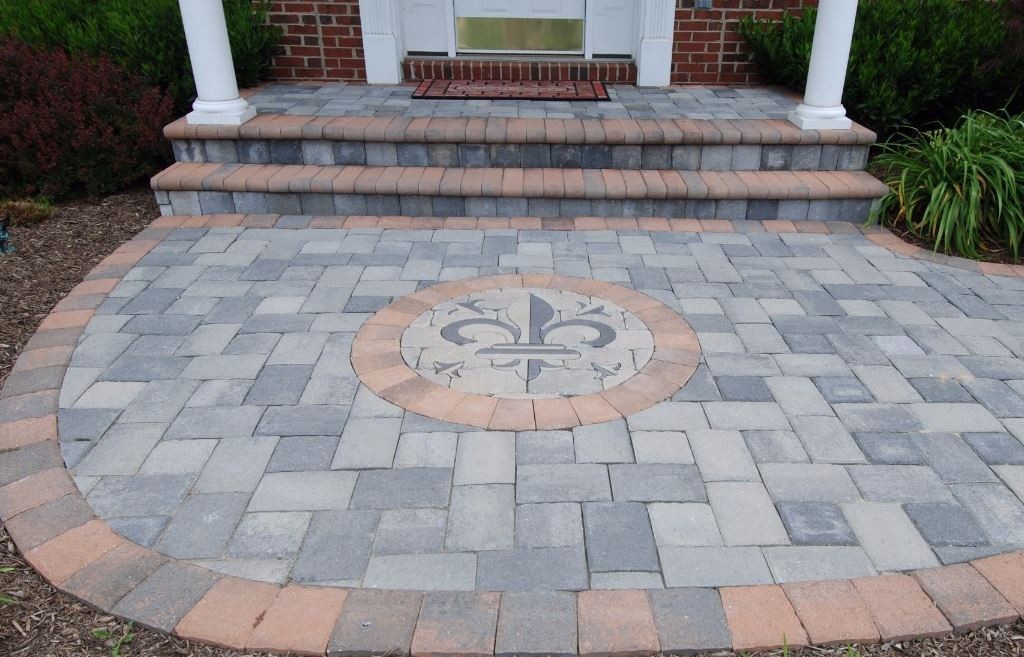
pixel 384 49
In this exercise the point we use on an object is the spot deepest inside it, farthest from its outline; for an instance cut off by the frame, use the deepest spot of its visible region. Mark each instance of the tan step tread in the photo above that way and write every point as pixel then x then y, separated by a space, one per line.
pixel 519 183
pixel 498 130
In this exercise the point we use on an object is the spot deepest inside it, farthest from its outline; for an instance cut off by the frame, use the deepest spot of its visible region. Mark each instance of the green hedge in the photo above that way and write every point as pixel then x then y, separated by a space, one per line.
pixel 912 61
pixel 144 37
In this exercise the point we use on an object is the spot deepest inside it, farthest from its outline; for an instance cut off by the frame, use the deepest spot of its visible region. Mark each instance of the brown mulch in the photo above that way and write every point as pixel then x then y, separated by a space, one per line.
pixel 1001 255
pixel 55 254
pixel 38 621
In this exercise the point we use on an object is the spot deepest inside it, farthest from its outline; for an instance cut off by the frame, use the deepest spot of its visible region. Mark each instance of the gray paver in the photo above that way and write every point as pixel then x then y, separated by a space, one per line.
pixel 713 566
pixel 684 525
pixel 337 546
pixel 536 624
pixel 532 569
pixel 540 447
pixel 422 572
pixel 202 526
pixel 548 525
pixel 410 531
pixel 303 491
pixel 562 483
pixel 138 496
pixel 164 597
pixel 945 524
pixel 815 523
pixel 236 465
pixel 722 456
pixel 215 422
pixel 899 483
pixel 808 482
pixel 302 420
pixel 407 488
pixel 827 440
pixel 486 458
pixel 264 535
pixel 999 512
pixel 745 514
pixel 619 537
pixel 481 518
pixel 656 482
pixel 603 443
pixel 810 563
pixel 689 620
pixel 367 444
pixel 888 537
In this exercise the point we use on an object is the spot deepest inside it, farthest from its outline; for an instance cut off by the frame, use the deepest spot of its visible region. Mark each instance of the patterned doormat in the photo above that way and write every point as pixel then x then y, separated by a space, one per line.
pixel 506 89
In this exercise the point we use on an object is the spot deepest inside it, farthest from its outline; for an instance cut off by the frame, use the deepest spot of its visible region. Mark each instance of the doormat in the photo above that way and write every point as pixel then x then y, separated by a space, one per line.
pixel 511 90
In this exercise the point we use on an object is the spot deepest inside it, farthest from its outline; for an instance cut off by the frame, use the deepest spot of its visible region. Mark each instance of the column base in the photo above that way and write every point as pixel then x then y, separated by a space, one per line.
pixel 220 118
pixel 806 117
pixel 220 112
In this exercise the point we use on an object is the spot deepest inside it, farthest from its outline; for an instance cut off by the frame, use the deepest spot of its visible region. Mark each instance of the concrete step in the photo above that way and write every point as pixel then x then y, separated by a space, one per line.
pixel 634 144
pixel 192 188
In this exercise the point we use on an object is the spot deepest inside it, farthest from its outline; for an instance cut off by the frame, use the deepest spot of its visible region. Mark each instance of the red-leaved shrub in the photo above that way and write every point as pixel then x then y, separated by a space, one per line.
pixel 71 126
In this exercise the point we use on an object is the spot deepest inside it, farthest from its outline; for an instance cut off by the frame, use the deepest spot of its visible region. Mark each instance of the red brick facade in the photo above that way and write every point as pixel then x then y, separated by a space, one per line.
pixel 322 41
pixel 707 48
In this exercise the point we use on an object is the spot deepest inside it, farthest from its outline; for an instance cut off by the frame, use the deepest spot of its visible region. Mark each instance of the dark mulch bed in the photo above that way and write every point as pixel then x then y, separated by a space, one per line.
pixel 36 620
pixel 992 253
pixel 54 255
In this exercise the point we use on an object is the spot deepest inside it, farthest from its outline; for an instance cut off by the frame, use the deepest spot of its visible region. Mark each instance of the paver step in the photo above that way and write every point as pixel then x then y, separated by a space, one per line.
pixel 190 188
pixel 500 130
pixel 680 144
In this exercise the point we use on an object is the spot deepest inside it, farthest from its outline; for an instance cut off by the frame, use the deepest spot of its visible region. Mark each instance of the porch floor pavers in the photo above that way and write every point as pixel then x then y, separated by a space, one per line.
pixel 241 453
pixel 625 102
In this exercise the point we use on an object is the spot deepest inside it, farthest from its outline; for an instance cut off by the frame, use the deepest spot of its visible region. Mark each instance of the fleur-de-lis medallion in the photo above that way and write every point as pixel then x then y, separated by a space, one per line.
pixel 535 342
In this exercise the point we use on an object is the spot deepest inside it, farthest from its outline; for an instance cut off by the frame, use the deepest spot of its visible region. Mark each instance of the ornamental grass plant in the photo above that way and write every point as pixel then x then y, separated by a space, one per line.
pixel 960 188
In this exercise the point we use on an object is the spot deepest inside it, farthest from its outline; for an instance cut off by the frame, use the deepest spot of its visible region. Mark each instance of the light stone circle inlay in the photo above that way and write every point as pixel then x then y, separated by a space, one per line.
pixel 524 352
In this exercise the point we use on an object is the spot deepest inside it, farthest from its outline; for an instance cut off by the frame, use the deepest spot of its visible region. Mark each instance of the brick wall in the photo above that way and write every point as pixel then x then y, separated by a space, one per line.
pixel 322 40
pixel 707 49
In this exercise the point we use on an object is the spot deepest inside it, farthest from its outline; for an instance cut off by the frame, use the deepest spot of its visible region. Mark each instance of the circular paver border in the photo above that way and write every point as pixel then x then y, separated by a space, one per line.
pixel 54 528
pixel 377 360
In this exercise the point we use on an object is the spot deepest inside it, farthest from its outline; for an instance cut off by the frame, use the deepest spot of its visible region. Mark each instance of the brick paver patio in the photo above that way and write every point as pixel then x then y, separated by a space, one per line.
pixel 503 416
pixel 851 412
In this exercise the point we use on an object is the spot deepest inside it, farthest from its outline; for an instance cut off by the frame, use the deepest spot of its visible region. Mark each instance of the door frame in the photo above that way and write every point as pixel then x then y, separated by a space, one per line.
pixel 384 50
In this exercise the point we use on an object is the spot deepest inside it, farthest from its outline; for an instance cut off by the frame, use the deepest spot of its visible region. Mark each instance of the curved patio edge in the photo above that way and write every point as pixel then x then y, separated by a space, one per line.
pixel 79 554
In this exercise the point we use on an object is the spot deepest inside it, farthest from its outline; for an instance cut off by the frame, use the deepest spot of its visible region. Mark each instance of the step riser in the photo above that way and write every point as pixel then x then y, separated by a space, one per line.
pixel 680 157
pixel 195 203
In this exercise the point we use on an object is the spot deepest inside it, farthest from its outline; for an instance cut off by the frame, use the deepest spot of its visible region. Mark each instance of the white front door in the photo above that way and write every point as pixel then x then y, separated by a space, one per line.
pixel 520 26
pixel 521 8
pixel 425 25
pixel 611 27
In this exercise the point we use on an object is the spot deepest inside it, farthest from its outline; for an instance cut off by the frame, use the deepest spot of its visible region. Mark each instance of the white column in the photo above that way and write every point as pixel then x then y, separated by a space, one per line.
pixel 654 50
pixel 218 101
pixel 381 48
pixel 822 108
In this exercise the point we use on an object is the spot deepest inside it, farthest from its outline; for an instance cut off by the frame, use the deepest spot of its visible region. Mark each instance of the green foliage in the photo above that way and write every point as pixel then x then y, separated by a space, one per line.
pixel 961 188
pixel 25 213
pixel 912 61
pixel 144 37
pixel 114 642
